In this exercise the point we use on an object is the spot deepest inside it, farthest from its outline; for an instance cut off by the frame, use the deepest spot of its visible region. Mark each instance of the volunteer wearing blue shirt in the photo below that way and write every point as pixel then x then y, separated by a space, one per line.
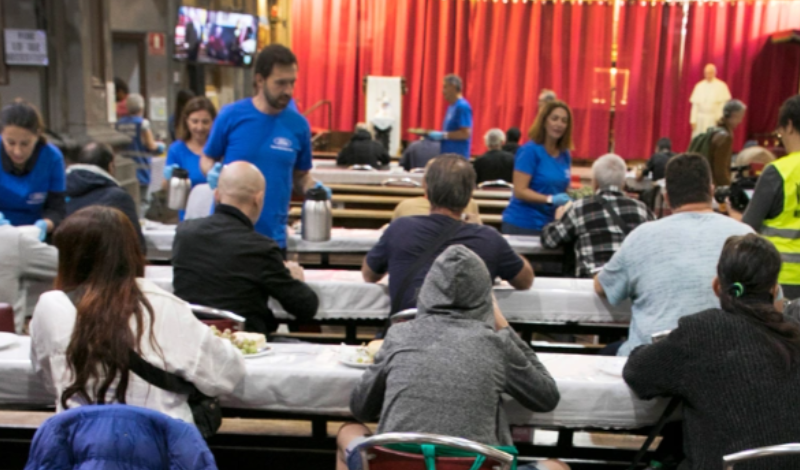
pixel 32 176
pixel 262 131
pixel 142 145
pixel 541 172
pixel 456 135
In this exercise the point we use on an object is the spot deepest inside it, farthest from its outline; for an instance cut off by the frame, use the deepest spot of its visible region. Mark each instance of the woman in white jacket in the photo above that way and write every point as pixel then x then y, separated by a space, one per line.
pixel 83 352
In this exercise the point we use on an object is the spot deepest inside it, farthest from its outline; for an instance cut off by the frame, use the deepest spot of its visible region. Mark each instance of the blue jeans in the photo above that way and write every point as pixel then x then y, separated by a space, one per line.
pixel 511 229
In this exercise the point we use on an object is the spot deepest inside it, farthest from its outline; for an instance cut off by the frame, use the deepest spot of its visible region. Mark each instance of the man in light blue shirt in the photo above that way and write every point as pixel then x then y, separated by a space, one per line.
pixel 666 267
pixel 456 134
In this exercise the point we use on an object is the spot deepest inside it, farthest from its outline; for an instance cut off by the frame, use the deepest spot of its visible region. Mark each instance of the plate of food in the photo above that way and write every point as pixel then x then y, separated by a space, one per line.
pixel 252 345
pixel 359 357
pixel 418 131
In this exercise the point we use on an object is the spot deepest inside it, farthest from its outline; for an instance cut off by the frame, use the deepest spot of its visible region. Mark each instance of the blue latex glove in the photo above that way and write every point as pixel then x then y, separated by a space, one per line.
pixel 327 189
pixel 561 199
pixel 3 220
pixel 436 135
pixel 160 147
pixel 213 175
pixel 168 171
pixel 43 229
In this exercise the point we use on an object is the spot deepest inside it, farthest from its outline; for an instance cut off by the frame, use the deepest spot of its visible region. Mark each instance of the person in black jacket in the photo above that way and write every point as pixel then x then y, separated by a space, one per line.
pixel 736 369
pixel 496 164
pixel 363 150
pixel 90 182
pixel 220 261
pixel 513 135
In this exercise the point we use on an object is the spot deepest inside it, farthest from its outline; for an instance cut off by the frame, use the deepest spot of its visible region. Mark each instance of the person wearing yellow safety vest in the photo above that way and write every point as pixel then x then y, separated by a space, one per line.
pixel 774 210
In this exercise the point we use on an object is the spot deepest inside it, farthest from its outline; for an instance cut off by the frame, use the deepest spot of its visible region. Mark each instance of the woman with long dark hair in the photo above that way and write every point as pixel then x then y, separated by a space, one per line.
pixel 82 333
pixel 736 369
pixel 32 178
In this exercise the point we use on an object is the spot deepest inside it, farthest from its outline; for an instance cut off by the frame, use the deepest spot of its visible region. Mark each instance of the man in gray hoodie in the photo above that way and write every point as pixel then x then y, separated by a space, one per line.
pixel 444 372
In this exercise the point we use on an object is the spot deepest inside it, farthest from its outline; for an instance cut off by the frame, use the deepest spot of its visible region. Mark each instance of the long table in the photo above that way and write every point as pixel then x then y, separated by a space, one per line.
pixel 344 298
pixel 159 238
pixel 306 379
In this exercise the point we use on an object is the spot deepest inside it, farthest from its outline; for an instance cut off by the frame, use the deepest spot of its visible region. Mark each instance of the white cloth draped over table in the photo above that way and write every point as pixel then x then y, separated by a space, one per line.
pixel 307 379
pixel 345 295
pixel 327 172
pixel 708 99
pixel 159 238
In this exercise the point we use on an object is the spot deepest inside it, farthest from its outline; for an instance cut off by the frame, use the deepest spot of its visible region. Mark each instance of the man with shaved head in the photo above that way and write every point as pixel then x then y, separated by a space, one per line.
pixel 708 99
pixel 220 261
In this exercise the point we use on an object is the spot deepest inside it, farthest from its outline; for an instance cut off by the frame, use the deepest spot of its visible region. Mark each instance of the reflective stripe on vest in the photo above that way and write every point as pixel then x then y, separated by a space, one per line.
pixel 784 231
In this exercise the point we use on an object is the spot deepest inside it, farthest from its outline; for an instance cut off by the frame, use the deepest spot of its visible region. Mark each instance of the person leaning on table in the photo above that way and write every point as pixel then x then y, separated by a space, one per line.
pixel 735 368
pixel 446 371
pixel 102 308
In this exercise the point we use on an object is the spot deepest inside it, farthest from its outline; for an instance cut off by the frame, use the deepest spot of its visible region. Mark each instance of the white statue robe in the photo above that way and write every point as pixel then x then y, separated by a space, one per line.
pixel 708 99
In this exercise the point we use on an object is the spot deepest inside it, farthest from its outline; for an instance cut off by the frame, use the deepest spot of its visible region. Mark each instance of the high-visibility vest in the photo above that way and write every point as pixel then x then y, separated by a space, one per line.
pixel 784 231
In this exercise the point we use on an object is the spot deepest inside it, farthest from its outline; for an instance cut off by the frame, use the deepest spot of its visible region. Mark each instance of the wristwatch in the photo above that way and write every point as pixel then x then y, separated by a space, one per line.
pixel 550 200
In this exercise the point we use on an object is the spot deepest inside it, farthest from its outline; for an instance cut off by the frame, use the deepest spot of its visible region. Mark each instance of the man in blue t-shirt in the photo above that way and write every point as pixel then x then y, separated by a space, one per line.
pixel 456 134
pixel 264 131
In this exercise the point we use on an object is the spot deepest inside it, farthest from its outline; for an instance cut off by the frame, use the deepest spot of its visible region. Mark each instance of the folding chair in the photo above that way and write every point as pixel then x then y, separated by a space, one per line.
pixel 496 184
pixel 222 319
pixel 418 451
pixel 404 316
pixel 771 451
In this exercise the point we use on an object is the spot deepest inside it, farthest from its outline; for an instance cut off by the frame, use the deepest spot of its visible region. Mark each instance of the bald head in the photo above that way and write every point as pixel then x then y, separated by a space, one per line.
pixel 242 186
pixel 710 72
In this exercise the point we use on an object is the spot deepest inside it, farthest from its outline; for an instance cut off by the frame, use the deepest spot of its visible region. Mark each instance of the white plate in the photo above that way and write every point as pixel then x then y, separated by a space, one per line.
pixel 353 364
pixel 264 352
pixel 8 339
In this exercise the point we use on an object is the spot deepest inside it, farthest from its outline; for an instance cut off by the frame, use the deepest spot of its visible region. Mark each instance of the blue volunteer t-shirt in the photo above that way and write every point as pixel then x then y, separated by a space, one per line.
pixel 22 197
pixel 549 176
pixel 459 116
pixel 132 127
pixel 277 144
pixel 180 154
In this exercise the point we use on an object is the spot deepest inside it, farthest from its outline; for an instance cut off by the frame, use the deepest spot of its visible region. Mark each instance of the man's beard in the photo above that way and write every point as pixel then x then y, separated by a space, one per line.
pixel 276 101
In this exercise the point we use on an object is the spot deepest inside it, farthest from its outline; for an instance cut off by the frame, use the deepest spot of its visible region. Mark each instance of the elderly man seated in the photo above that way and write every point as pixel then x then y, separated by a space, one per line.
pixel 597 224
pixel 363 150
pixel 496 164
pixel 221 261
pixel 445 372
pixel 666 267
pixel 409 245
pixel 22 257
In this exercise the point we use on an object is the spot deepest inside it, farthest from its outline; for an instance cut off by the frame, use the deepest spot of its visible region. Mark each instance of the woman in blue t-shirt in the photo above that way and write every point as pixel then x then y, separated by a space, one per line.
pixel 192 131
pixel 32 176
pixel 541 172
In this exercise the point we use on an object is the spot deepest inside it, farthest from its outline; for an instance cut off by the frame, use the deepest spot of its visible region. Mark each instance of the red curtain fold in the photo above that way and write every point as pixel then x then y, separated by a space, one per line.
pixel 507 52
pixel 651 35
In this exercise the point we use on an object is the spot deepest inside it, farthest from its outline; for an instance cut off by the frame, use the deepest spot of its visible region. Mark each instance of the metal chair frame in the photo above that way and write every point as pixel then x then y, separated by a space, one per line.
pixel 403 316
pixel 504 459
pixel 400 182
pixel 771 451
pixel 496 184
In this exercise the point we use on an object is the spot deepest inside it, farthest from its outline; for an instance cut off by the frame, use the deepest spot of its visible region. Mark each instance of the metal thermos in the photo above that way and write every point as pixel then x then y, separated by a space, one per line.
pixel 179 187
pixel 317 217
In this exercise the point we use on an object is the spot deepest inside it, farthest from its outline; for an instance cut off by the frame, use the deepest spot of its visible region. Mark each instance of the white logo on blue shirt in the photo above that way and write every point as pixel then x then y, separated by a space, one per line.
pixel 36 199
pixel 282 143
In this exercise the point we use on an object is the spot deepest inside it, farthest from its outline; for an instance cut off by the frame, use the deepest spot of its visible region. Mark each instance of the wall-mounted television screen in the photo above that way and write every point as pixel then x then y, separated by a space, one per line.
pixel 215 37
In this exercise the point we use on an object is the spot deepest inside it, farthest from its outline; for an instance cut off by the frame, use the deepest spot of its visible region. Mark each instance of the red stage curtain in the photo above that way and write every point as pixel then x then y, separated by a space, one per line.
pixel 776 73
pixel 324 39
pixel 650 38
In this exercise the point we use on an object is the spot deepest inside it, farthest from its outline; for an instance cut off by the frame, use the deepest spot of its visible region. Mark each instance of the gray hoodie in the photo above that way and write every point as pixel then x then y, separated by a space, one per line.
pixel 444 372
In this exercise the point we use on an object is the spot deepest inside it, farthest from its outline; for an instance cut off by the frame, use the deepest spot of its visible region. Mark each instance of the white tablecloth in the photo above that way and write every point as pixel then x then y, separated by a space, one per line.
pixel 305 378
pixel 159 239
pixel 328 173
pixel 345 295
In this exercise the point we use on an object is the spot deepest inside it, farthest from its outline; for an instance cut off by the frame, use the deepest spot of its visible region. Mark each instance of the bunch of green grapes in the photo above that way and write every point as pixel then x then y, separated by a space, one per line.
pixel 247 346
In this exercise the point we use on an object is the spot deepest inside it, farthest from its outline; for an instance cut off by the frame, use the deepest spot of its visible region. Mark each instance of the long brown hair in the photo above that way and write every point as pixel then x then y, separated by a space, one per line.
pixel 99 259
pixel 198 103
pixel 538 132
pixel 748 270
